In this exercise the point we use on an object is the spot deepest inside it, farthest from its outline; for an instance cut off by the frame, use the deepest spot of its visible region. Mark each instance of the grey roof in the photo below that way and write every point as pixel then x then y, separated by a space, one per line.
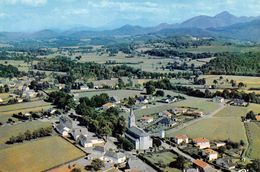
pixel 116 155
pixel 99 149
pixel 83 138
pixel 66 121
pixel 114 99
pixel 60 127
pixel 136 132
pixel 165 121
pixel 225 162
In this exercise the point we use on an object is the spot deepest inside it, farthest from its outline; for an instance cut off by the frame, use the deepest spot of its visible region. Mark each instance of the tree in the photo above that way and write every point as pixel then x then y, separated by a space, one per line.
pixel 97 164
pixel 6 88
pixel 215 81
pixel 106 130
pixel 159 93
pixel 150 89
pixel 240 85
pixel 76 170
pixel 255 166
pixel 126 144
pixel 250 115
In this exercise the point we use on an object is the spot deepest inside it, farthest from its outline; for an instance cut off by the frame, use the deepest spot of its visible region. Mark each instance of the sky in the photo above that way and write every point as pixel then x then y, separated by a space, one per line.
pixel 33 15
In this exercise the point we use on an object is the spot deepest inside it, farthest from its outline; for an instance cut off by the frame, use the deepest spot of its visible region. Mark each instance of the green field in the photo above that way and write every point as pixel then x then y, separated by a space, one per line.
pixel 7 131
pixel 226 124
pixel 253 132
pixel 8 110
pixel 21 65
pixel 38 155
pixel 165 157
pixel 223 48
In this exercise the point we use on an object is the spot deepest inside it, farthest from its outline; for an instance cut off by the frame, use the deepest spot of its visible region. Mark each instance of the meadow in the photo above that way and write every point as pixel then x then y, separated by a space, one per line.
pixel 38 155
pixel 226 124
pixel 21 65
pixel 253 132
pixel 13 130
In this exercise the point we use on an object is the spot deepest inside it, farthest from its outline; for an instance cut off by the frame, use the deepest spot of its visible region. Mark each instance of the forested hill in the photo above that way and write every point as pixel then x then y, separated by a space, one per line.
pixel 234 64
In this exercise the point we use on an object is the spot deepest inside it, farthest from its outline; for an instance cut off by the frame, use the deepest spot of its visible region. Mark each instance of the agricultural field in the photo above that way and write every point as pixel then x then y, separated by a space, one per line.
pixel 251 82
pixel 13 130
pixel 21 65
pixel 38 155
pixel 226 124
pixel 253 132
pixel 223 48
pixel 165 158
pixel 8 110
pixel 121 94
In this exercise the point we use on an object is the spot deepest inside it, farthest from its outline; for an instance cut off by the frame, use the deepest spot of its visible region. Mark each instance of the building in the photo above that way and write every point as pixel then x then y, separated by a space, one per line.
pixel 84 88
pixel 182 138
pixel 220 144
pixel 167 122
pixel 137 136
pixel 179 111
pixel 147 119
pixel 90 142
pixel 194 113
pixel 203 166
pixel 239 102
pixel 115 157
pixel 76 132
pixel 226 163
pixel 201 142
pixel 115 99
pixel 257 117
pixel 167 114
pixel 1 101
pixel 64 126
pixel 218 99
pixel 210 154
pixel 107 106
pixel 162 134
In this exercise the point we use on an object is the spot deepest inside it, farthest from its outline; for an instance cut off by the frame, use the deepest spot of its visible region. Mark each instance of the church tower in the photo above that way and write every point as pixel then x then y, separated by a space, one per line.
pixel 131 119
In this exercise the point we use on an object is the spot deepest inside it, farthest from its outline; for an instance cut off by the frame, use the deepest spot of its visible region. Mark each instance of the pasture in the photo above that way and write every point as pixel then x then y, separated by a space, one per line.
pixel 21 65
pixel 38 155
pixel 253 133
pixel 164 159
pixel 226 124
pixel 13 130
pixel 223 48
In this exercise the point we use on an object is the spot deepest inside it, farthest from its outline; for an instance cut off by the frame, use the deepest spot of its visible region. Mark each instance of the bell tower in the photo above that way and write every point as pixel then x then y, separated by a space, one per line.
pixel 131 119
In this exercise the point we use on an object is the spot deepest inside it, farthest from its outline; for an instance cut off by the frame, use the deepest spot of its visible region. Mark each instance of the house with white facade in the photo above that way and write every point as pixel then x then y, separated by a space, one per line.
pixel 181 138
pixel 201 142
pixel 210 154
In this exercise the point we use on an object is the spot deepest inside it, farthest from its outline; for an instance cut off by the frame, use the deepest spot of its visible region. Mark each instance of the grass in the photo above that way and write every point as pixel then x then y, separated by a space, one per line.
pixel 7 131
pixel 38 155
pixel 165 157
pixel 253 131
pixel 223 48
pixel 8 110
pixel 226 124
pixel 21 65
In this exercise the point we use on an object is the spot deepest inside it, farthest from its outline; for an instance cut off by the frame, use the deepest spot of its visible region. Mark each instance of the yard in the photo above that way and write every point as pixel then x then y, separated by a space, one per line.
pixel 164 159
pixel 38 155
pixel 226 124
pixel 253 132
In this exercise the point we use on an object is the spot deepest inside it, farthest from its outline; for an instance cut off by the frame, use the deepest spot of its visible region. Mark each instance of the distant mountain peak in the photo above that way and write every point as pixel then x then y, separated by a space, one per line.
pixel 225 14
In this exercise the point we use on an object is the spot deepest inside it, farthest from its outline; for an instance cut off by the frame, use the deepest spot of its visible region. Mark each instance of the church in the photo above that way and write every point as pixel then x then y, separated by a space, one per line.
pixel 136 135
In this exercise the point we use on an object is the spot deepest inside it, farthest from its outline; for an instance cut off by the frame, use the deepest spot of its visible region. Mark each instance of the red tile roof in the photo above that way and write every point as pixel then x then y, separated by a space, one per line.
pixel 200 163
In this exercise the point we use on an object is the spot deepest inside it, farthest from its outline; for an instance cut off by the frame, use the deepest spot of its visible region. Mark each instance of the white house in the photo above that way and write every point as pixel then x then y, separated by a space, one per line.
pixel 64 126
pixel 218 99
pixel 181 138
pixel 202 143
pixel 220 144
pixel 137 136
pixel 87 142
pixel 210 154
pixel 115 157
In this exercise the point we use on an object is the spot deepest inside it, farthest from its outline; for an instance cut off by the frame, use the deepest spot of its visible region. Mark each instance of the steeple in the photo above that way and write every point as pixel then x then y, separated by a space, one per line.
pixel 131 119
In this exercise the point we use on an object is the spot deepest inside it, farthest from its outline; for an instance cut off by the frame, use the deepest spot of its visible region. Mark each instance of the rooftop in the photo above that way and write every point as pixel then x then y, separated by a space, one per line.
pixel 200 140
pixel 181 136
pixel 136 132
pixel 210 151
pixel 200 163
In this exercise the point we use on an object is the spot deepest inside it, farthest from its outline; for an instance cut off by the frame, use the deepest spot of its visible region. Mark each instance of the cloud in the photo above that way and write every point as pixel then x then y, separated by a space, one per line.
pixel 24 2
pixel 2 15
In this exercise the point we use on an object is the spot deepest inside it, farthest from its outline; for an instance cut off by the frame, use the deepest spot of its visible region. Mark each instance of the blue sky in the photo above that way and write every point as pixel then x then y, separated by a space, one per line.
pixel 31 15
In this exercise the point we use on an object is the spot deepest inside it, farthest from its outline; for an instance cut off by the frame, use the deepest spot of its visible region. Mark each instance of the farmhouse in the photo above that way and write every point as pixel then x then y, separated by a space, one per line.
pixel 179 111
pixel 90 142
pixel 203 166
pixel 239 102
pixel 84 88
pixel 147 119
pixel 115 157
pixel 165 121
pixel 115 99
pixel 138 136
pixel 218 99
pixel 210 154
pixel 182 138
pixel 194 113
pixel 64 126
pixel 226 163
pixel 202 142
pixel 107 106
pixel 167 114
pixel 257 117
pixel 220 144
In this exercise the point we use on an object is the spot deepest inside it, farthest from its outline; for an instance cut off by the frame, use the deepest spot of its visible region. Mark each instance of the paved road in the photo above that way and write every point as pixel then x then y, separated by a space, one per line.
pixel 221 106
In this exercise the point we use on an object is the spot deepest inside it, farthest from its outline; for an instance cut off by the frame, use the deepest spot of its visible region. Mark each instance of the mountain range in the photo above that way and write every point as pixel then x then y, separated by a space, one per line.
pixel 223 25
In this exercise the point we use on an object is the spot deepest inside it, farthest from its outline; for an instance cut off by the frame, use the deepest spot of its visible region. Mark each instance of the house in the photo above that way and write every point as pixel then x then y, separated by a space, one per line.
pixel 90 142
pixel 201 142
pixel 29 94
pixel 181 138
pixel 210 154
pixel 64 126
pixel 19 100
pixel 76 132
pixel 115 99
pixel 257 117
pixel 167 114
pixel 179 111
pixel 64 131
pixel 218 99
pixel 97 152
pixel 107 106
pixel 136 135
pixel 1 100
pixel 115 157
pixel 239 102
pixel 165 121
pixel 147 119
pixel 220 144
pixel 194 113
pixel 83 87
pixel 203 166
pixel 226 163
pixel 143 99
pixel 169 100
